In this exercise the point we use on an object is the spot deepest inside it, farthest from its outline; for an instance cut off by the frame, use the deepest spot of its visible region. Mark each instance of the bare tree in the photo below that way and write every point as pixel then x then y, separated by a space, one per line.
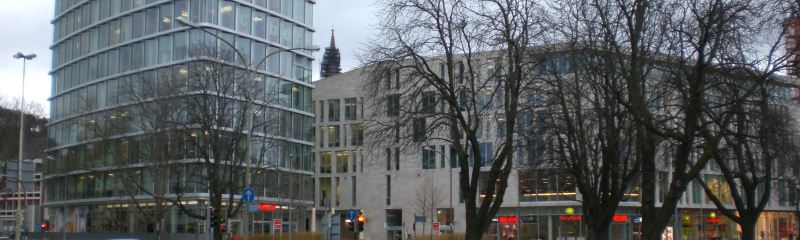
pixel 758 136
pixel 592 133
pixel 691 41
pixel 444 71
pixel 193 128
pixel 428 199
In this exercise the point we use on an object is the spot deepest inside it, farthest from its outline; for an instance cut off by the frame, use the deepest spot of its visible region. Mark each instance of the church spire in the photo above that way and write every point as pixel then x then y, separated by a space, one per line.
pixel 333 39
pixel 331 59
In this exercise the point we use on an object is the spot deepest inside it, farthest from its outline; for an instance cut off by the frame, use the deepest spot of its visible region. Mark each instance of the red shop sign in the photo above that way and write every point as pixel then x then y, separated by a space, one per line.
pixel 620 218
pixel 507 219
pixel 570 218
pixel 263 207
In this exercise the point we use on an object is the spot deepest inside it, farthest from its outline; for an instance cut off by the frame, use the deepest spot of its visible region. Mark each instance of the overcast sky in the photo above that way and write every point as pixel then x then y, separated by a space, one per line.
pixel 26 28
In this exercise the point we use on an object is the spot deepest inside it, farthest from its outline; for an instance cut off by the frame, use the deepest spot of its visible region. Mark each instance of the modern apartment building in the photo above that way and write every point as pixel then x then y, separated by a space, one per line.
pixel 540 203
pixel 105 49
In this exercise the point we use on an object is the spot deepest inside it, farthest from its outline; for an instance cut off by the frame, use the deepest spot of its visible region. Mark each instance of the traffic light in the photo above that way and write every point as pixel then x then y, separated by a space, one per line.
pixel 362 220
pixel 214 217
pixel 222 228
pixel 45 225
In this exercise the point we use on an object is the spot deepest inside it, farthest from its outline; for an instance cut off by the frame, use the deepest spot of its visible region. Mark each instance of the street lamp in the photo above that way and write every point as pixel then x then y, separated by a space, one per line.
pixel 247 65
pixel 25 58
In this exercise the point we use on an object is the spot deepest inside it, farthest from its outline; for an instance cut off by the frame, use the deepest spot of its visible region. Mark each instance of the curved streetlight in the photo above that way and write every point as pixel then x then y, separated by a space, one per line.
pixel 250 68
pixel 25 58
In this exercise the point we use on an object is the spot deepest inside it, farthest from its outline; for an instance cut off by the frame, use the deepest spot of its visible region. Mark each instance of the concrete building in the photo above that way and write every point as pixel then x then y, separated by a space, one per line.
pixel 541 203
pixel 100 47
pixel 31 194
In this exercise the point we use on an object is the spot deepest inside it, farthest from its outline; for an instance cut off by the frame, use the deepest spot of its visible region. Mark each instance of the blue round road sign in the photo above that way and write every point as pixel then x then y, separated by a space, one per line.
pixel 351 214
pixel 248 195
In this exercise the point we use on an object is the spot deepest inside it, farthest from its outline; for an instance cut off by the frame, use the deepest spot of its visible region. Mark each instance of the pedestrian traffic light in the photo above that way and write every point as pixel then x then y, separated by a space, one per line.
pixel 214 217
pixel 222 227
pixel 45 225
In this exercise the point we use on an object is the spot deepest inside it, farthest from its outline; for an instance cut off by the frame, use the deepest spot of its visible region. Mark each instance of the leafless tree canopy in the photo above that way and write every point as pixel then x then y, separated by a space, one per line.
pixel 628 85
pixel 447 71
pixel 193 128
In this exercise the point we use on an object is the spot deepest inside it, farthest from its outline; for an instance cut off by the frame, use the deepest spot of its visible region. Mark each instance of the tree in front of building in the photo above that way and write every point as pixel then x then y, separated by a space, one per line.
pixel 206 126
pixel 446 72
pixel 757 148
pixel 693 42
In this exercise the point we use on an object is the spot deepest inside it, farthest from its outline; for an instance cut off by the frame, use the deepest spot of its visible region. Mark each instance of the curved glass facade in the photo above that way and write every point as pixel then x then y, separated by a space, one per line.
pixel 103 49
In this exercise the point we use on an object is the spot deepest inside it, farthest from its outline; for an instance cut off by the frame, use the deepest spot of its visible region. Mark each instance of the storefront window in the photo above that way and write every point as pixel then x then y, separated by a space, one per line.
pixel 546 185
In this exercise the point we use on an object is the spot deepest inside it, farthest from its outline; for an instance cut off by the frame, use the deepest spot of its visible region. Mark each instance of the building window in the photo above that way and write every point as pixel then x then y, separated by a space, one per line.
pixel 486 154
pixel 165 49
pixel 341 161
pixel 393 105
pixel 165 23
pixel 441 70
pixel 419 130
pixel 333 110
pixel 546 185
pixel 428 105
pixel 350 109
pixel 259 24
pixel 357 134
pixel 429 157
pixel 325 163
pixel 442 156
pixel 243 19
pixel 388 190
pixel 273 28
pixel 226 15
pixel 388 159
pixel 333 136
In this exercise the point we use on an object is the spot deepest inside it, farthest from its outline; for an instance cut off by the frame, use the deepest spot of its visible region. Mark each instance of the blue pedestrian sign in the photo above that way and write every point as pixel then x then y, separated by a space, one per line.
pixel 352 214
pixel 248 195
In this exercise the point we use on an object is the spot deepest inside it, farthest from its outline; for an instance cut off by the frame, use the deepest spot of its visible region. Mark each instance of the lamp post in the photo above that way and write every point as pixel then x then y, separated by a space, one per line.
pixel 25 58
pixel 249 69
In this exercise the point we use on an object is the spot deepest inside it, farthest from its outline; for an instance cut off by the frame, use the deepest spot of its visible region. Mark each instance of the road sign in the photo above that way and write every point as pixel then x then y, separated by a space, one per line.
pixel 252 207
pixel 352 214
pixel 248 195
pixel 277 223
pixel 420 219
pixel 436 227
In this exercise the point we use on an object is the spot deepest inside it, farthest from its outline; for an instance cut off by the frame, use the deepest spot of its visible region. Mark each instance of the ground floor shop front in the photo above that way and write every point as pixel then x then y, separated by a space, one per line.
pixel 566 223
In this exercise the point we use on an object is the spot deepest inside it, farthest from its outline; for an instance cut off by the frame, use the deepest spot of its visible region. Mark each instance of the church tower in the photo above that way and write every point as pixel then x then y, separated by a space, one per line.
pixel 330 60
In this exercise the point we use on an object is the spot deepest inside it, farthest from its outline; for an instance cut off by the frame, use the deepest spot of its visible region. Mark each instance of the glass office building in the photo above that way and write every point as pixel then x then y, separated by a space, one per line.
pixel 100 47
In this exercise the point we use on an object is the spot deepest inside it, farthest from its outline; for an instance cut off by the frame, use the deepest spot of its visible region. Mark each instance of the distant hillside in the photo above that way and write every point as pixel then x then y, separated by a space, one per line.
pixel 35 142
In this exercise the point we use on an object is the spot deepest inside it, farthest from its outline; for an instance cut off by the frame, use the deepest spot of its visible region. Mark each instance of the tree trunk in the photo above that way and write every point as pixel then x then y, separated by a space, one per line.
pixel 748 230
pixel 474 231
pixel 597 232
